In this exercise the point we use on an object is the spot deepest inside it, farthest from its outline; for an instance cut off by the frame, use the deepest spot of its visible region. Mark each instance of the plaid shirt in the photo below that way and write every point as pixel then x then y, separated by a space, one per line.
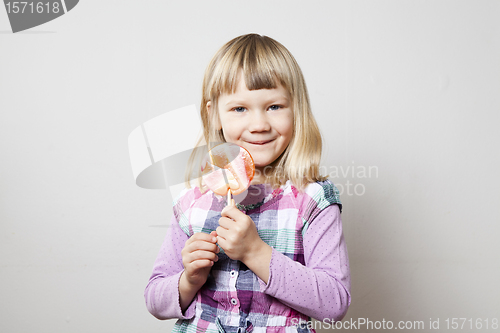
pixel 234 299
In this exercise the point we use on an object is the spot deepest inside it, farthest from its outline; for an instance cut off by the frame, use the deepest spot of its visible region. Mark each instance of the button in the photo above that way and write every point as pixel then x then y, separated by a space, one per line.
pixel 234 301
pixel 233 273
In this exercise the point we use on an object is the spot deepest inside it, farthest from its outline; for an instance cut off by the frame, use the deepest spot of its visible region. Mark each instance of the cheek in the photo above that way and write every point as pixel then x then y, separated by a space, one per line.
pixel 285 126
pixel 230 132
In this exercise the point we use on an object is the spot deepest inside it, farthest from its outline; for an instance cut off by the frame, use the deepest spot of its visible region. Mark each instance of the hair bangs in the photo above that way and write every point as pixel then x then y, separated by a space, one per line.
pixel 262 63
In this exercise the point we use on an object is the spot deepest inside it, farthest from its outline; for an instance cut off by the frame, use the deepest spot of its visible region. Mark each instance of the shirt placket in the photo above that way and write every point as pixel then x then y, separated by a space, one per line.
pixel 233 297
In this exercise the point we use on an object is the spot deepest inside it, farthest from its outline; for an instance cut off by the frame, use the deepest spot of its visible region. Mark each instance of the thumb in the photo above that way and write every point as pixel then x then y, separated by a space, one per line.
pixel 231 211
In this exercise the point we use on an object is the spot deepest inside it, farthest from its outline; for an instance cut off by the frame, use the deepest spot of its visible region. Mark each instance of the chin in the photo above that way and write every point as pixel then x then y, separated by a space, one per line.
pixel 262 166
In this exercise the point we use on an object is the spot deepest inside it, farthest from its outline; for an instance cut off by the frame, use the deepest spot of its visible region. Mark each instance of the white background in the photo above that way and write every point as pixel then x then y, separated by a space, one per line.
pixel 408 87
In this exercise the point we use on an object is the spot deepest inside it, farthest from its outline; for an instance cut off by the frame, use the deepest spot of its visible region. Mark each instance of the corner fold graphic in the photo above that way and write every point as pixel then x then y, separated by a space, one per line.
pixel 25 15
pixel 70 4
pixel 160 147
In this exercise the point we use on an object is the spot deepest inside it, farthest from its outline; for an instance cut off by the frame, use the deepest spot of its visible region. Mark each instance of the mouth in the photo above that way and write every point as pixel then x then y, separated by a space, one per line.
pixel 260 143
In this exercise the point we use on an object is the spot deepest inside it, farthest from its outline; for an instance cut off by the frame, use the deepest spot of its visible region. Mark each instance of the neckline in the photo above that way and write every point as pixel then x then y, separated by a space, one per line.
pixel 269 195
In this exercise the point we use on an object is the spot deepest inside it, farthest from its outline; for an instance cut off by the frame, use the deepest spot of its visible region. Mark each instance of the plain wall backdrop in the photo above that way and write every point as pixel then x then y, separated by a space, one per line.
pixel 408 90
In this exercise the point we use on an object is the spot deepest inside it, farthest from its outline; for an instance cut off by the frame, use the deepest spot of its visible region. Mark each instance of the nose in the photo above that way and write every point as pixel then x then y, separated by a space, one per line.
pixel 259 122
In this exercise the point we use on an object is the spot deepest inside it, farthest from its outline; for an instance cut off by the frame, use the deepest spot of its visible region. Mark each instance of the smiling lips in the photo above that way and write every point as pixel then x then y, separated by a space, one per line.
pixel 260 142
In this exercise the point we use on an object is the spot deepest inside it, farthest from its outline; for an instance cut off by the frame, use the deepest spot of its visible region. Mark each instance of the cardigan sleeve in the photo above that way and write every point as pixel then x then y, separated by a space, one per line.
pixel 321 288
pixel 162 291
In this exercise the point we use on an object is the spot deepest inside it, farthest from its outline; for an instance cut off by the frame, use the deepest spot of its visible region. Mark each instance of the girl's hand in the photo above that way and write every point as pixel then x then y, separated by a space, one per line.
pixel 198 256
pixel 237 234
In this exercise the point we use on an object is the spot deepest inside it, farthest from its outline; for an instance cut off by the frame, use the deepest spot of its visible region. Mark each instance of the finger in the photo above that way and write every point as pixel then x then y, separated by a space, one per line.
pixel 223 243
pixel 204 236
pixel 214 233
pixel 201 263
pixel 207 237
pixel 232 212
pixel 226 223
pixel 202 246
pixel 202 255
pixel 222 233
pixel 195 245
pixel 201 236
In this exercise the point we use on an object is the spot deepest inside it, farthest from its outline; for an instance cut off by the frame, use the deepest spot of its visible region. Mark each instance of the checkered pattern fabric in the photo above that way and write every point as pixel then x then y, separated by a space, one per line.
pixel 232 300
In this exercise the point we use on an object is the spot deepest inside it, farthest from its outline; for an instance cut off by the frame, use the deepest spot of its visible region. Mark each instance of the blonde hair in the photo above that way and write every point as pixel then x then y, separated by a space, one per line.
pixel 265 64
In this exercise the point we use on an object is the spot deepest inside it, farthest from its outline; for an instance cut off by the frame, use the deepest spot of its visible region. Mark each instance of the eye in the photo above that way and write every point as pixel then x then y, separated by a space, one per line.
pixel 275 107
pixel 238 109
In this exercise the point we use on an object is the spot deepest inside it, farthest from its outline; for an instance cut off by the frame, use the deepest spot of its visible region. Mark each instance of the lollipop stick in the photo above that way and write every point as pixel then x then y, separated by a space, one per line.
pixel 229 200
pixel 227 184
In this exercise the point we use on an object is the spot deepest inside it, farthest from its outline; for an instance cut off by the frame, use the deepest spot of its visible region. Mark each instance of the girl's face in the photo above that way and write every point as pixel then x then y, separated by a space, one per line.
pixel 260 121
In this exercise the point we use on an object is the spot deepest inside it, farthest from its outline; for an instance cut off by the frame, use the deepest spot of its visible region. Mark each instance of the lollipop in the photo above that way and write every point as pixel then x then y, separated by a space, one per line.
pixel 228 168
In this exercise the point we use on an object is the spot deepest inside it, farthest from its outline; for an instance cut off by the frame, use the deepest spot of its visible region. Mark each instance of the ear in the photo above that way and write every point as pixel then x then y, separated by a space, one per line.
pixel 217 124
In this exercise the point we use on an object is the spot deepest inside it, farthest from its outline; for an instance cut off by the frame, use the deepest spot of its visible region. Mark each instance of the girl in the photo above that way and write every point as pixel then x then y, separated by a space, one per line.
pixel 277 258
